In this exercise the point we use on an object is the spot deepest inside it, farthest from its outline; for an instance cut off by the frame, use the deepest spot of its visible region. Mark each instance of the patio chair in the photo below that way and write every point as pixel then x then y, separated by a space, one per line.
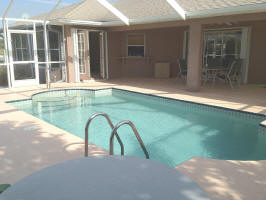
pixel 182 63
pixel 209 71
pixel 233 74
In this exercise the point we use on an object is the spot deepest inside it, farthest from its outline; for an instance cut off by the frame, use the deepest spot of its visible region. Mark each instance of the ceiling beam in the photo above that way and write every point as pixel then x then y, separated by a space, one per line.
pixel 115 11
pixel 177 8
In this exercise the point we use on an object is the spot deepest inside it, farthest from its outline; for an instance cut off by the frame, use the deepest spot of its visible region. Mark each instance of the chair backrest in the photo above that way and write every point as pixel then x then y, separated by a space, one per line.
pixel 236 67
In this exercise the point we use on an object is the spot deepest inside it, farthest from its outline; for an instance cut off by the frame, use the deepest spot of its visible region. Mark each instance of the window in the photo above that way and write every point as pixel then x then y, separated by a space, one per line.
pixel 136 45
pixel 81 52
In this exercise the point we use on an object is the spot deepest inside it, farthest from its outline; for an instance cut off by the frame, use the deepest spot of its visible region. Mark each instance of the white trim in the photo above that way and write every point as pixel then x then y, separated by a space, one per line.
pixel 80 22
pixel 52 62
pixel 35 55
pixel 177 8
pixel 84 50
pixel 245 52
pixel 21 31
pixel 6 52
pixel 5 31
pixel 75 54
pixel 45 36
pixel 115 11
pixel 102 60
pixel 64 72
pixel 22 20
pixel 106 56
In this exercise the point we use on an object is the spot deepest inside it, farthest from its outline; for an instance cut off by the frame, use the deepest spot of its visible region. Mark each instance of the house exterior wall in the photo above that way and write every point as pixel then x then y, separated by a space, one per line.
pixel 161 45
pixel 70 68
pixel 165 44
pixel 114 52
pixel 257 59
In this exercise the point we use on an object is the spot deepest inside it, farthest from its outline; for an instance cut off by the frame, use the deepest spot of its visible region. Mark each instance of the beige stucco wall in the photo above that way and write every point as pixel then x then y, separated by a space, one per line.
pixel 114 52
pixel 166 44
pixel 161 45
pixel 257 61
pixel 69 55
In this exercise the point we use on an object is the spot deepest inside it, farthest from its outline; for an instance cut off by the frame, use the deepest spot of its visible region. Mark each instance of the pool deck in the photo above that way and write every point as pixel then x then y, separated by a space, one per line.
pixel 28 144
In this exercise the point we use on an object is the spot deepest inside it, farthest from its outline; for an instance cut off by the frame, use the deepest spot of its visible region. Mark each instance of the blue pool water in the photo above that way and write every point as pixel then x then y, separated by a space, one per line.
pixel 172 131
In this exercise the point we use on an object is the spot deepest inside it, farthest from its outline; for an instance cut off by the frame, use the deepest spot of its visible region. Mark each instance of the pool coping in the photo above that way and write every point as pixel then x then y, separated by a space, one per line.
pixel 262 124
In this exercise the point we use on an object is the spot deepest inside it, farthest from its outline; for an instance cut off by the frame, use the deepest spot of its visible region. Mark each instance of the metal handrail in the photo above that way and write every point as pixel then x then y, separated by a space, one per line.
pixel 135 132
pixel 111 125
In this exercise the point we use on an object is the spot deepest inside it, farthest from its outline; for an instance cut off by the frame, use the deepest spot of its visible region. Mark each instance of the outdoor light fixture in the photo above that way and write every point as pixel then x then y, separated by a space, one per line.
pixel 177 8
pixel 115 11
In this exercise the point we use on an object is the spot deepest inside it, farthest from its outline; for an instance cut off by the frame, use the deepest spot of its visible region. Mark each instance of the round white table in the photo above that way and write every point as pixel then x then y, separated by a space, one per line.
pixel 105 177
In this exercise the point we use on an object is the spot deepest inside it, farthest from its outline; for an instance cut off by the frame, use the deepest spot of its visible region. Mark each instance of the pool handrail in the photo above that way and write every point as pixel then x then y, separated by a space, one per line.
pixel 111 125
pixel 114 131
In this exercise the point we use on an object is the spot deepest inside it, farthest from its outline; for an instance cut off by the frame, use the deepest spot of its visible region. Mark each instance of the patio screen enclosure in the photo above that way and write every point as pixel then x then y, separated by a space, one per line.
pixel 23 62
pixel 31 50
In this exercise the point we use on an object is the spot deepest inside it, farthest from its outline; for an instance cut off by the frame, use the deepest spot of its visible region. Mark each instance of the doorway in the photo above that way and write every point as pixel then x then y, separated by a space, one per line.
pixel 89 54
pixel 223 46
pixel 94 43
pixel 23 58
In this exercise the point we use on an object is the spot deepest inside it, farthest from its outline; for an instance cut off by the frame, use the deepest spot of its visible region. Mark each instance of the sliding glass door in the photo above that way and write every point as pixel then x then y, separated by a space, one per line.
pixel 221 48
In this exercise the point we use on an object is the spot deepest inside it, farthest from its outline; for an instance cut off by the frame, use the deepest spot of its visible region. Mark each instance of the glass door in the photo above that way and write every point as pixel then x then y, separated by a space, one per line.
pixel 221 48
pixel 23 58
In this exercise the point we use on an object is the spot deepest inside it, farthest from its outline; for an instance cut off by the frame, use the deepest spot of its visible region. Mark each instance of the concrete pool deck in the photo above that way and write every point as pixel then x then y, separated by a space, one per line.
pixel 28 144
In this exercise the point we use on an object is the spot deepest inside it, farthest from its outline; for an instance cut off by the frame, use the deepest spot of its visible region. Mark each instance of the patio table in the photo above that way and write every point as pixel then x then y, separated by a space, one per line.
pixel 106 177
pixel 214 71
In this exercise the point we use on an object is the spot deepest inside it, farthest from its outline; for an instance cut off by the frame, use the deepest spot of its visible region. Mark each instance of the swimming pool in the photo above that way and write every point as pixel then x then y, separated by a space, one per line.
pixel 173 131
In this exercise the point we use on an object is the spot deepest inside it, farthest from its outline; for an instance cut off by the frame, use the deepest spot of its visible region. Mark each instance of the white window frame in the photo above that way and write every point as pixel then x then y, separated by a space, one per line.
pixel 144 45
pixel 84 52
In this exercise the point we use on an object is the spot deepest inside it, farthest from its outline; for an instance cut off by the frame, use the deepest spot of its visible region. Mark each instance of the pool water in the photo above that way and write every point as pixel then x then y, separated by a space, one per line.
pixel 172 131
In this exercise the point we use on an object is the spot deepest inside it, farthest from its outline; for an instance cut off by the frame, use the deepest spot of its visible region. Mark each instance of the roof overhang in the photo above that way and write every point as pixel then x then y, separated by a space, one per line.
pixel 245 9
pixel 181 15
